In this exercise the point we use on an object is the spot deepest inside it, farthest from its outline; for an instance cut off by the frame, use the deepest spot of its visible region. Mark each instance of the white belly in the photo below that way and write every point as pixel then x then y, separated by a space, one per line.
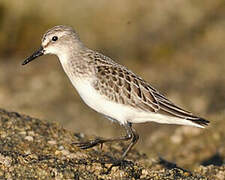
pixel 101 104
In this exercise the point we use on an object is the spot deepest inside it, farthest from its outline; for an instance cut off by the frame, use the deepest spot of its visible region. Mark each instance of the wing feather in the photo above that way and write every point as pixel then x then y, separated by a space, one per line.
pixel 122 86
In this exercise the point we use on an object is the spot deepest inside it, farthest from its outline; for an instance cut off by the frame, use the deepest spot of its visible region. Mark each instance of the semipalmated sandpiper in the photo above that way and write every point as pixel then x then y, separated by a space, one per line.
pixel 110 88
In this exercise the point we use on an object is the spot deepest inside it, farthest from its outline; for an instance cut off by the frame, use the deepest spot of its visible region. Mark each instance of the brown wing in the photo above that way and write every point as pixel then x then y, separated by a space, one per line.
pixel 123 86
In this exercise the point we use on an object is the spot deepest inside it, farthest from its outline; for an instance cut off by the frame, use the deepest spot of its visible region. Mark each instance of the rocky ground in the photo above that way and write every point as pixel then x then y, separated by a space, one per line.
pixel 33 149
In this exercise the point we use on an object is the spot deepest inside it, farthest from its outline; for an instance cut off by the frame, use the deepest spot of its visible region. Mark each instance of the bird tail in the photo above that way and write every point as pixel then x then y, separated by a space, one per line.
pixel 200 121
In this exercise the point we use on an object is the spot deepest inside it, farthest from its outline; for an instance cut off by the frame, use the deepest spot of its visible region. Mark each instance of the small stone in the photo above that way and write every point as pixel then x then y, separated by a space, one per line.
pixel 33 156
pixel 22 132
pixel 57 152
pixel 52 142
pixel 29 138
pixel 31 133
pixel 27 151
pixel 65 152
pixel 186 174
pixel 144 173
pixel 61 147
pixel 220 175
pixel 3 134
pixel 1 172
pixel 77 155
pixel 6 161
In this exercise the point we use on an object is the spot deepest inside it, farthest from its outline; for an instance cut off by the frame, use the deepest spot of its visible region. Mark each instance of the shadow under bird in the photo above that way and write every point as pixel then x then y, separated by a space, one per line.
pixel 110 88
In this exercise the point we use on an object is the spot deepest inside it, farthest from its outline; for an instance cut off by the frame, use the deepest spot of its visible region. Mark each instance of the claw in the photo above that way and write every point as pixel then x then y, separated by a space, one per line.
pixel 89 144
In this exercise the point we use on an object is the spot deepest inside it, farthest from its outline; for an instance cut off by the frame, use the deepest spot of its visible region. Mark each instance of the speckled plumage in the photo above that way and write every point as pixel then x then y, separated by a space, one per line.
pixel 110 88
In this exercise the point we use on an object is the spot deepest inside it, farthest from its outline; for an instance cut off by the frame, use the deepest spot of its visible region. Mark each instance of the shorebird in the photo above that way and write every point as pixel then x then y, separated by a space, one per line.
pixel 111 89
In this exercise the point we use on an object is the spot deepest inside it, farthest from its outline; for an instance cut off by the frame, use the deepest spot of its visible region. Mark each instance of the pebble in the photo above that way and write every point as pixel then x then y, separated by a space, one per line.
pixel 29 138
pixel 52 142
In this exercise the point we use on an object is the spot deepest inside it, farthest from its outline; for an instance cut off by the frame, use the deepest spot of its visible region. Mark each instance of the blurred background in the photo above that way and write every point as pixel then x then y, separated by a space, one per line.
pixel 178 46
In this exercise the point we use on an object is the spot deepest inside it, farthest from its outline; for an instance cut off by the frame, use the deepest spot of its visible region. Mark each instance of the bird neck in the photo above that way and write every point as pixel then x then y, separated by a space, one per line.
pixel 76 64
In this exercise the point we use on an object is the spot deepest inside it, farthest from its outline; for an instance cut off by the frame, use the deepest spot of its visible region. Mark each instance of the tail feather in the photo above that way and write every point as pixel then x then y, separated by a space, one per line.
pixel 200 121
pixel 171 109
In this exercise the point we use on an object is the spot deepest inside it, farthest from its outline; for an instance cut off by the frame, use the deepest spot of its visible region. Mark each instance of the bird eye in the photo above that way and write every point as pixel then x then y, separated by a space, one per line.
pixel 54 38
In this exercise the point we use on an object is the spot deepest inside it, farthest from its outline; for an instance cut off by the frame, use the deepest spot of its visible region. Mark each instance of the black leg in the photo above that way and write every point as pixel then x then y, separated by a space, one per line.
pixel 131 134
pixel 97 141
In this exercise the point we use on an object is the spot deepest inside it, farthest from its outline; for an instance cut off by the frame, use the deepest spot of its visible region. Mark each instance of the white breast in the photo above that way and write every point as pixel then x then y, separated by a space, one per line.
pixel 101 104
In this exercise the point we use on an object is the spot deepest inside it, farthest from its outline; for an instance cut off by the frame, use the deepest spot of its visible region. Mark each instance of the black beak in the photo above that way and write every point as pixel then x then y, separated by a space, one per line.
pixel 36 54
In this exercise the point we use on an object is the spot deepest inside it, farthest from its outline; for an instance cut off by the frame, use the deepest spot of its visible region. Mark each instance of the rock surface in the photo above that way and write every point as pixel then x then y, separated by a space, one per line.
pixel 33 149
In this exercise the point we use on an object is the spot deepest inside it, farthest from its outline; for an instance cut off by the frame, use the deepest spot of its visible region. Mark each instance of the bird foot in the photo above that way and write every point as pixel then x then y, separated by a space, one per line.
pixel 89 144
